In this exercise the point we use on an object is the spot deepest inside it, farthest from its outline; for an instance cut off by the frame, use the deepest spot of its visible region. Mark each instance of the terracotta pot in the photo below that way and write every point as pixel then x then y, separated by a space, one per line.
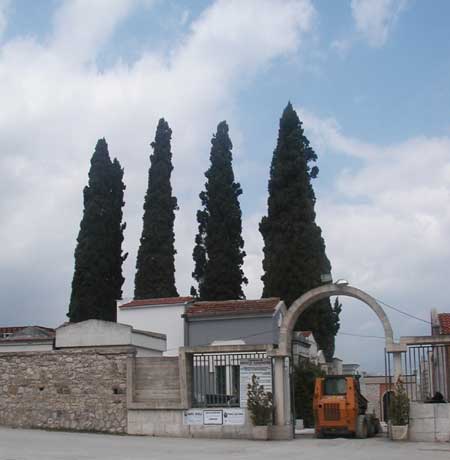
pixel 399 432
pixel 260 433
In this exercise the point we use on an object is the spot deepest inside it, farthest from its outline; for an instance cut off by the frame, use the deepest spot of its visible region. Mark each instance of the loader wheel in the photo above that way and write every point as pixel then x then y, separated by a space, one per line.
pixel 372 429
pixel 361 427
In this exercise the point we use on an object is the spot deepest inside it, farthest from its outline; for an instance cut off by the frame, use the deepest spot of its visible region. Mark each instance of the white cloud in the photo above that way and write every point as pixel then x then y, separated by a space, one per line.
pixel 375 19
pixel 81 27
pixel 387 226
pixel 342 46
pixel 4 6
pixel 57 104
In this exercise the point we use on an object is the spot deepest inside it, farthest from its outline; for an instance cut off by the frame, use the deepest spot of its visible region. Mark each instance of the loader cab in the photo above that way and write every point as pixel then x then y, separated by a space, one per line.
pixel 340 408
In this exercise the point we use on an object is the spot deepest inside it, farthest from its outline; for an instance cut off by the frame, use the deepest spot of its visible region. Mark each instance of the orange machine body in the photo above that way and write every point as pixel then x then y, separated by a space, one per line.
pixel 337 404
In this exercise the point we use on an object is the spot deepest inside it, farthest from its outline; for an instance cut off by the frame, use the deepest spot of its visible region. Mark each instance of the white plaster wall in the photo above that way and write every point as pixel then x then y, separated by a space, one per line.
pixel 429 422
pixel 14 348
pixel 146 353
pixel 166 319
pixel 94 333
pixel 146 341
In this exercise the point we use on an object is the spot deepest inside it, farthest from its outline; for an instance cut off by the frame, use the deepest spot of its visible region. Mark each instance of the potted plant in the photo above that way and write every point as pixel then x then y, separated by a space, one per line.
pixel 399 413
pixel 259 404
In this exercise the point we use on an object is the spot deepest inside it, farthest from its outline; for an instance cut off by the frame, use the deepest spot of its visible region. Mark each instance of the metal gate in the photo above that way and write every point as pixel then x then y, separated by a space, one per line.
pixel 216 378
pixel 426 371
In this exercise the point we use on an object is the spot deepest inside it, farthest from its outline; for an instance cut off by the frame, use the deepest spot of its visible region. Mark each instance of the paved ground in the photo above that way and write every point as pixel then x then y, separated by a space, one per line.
pixel 45 445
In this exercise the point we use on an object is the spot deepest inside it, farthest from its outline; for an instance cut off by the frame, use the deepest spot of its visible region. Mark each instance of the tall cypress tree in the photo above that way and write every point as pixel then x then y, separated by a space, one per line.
pixel 155 265
pixel 294 250
pixel 117 228
pixel 97 281
pixel 218 253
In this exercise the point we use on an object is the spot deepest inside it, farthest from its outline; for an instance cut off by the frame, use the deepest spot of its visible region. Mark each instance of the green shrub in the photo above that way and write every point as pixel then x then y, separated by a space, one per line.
pixel 305 374
pixel 259 403
pixel 399 405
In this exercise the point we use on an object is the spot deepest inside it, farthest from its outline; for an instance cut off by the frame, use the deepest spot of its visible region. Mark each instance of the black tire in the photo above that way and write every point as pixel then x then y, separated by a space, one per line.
pixel 372 430
pixel 362 429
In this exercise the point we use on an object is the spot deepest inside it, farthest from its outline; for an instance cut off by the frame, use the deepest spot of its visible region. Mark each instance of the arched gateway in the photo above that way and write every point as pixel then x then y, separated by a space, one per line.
pixel 284 350
pixel 322 292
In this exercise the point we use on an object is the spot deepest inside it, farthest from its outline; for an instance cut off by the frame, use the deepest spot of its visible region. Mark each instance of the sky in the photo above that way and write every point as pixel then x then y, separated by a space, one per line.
pixel 368 78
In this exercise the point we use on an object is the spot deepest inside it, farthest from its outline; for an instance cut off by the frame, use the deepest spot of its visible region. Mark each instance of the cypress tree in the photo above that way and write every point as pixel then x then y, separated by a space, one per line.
pixel 294 250
pixel 97 281
pixel 218 253
pixel 117 228
pixel 155 265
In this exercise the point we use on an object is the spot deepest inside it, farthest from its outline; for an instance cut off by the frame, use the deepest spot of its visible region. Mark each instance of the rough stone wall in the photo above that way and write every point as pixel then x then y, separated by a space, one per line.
pixel 372 394
pixel 78 389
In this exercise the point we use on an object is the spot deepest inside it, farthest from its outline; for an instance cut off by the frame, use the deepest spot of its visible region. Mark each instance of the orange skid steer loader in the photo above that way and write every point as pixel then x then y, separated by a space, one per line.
pixel 340 408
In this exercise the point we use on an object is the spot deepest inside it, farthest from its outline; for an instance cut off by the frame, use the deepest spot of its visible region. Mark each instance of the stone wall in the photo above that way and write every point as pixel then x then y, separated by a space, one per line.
pixel 77 389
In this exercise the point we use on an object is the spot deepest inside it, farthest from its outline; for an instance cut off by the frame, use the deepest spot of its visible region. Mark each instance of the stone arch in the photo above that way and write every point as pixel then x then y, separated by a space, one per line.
pixel 322 292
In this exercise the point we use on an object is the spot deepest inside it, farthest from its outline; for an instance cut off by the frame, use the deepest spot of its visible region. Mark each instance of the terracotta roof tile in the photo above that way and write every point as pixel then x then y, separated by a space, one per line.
pixel 232 307
pixel 154 302
pixel 444 321
pixel 11 329
pixel 26 334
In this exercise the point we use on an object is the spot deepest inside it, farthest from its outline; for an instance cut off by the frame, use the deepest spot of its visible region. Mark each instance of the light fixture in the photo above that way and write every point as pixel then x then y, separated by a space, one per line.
pixel 341 283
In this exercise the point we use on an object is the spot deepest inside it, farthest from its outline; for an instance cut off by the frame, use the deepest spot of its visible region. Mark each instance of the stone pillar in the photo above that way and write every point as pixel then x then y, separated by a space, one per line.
pixel 398 371
pixel 279 391
pixel 282 428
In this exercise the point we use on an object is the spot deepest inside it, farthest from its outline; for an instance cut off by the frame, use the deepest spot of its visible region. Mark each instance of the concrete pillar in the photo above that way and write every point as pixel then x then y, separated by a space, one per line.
pixel 398 370
pixel 279 391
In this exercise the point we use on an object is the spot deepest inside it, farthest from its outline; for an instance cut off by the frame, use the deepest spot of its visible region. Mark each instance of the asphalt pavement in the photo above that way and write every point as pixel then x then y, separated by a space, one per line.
pixel 18 444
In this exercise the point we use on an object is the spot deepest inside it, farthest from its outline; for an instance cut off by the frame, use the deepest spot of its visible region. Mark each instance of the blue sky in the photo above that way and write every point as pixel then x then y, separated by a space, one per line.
pixel 369 79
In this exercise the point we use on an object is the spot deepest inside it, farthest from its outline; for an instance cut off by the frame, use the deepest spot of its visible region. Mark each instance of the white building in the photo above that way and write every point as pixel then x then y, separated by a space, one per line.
pixel 164 316
pixel 98 333
pixel 26 338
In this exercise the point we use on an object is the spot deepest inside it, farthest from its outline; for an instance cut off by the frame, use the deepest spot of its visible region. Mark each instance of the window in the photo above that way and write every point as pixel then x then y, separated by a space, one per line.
pixel 337 386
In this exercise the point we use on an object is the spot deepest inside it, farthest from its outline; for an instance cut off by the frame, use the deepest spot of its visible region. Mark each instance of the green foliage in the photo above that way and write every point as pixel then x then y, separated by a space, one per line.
pixel 218 253
pixel 259 403
pixel 399 405
pixel 305 374
pixel 155 265
pixel 294 250
pixel 97 281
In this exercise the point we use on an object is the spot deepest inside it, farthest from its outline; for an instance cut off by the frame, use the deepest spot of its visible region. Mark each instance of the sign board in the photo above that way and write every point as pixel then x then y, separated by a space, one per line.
pixel 262 368
pixel 193 417
pixel 232 416
pixel 212 417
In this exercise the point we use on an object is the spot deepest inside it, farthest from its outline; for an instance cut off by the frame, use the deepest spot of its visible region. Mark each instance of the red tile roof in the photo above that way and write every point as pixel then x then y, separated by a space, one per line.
pixel 154 302
pixel 232 307
pixel 305 333
pixel 11 329
pixel 444 322
pixel 26 334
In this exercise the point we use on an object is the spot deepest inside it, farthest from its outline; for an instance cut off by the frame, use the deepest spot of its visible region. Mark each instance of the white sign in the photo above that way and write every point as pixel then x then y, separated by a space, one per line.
pixel 234 416
pixel 262 368
pixel 212 417
pixel 193 417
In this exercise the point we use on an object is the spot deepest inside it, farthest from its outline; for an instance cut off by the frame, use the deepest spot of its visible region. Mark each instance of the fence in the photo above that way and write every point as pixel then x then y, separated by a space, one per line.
pixel 216 378
pixel 426 371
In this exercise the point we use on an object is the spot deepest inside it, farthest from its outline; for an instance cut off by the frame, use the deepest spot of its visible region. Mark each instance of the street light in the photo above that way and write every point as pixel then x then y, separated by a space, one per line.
pixel 341 283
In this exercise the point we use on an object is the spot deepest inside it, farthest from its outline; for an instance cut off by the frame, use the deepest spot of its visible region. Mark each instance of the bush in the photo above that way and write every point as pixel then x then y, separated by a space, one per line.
pixel 259 403
pixel 399 406
pixel 305 374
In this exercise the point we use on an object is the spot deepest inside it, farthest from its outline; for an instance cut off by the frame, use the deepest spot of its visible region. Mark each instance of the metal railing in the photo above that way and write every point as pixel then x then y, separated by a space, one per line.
pixel 216 378
pixel 426 372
